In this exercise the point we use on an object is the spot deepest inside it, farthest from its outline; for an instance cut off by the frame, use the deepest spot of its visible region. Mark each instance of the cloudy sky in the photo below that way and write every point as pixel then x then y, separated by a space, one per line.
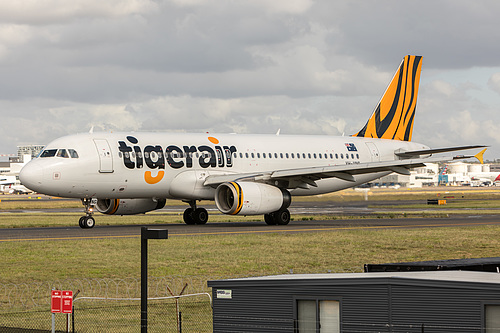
pixel 302 66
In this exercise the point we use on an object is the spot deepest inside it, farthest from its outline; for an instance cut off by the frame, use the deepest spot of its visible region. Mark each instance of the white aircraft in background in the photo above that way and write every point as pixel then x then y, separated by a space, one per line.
pixel 131 173
pixel 10 184
pixel 488 178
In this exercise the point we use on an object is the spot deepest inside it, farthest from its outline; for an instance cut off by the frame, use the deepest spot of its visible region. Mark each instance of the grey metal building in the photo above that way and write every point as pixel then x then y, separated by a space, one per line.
pixel 430 301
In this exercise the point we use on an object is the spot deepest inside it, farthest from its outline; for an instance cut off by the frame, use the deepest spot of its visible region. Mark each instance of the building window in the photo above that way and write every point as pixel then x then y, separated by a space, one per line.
pixel 492 318
pixel 316 316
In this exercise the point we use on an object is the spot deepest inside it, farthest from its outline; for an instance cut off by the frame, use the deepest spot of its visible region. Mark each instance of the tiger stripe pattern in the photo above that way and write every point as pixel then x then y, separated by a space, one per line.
pixel 394 115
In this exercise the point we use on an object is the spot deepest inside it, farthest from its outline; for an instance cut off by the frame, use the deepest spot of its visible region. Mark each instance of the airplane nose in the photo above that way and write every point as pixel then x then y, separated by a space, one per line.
pixel 31 176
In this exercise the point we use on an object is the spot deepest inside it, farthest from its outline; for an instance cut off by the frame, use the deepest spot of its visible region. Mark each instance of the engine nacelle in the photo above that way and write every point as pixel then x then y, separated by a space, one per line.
pixel 248 198
pixel 128 206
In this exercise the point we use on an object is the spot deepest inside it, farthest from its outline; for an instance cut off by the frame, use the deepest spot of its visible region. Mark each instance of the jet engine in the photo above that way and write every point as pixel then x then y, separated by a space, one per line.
pixel 248 198
pixel 128 206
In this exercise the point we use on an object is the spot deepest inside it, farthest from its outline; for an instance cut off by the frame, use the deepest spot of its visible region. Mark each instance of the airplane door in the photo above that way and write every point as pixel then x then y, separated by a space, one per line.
pixel 373 151
pixel 105 157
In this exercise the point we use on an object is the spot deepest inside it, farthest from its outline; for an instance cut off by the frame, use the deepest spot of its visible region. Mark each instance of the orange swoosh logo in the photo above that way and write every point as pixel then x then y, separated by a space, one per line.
pixel 148 177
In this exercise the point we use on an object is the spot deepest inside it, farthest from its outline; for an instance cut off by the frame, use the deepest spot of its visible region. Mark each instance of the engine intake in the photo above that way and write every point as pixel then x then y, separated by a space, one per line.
pixel 128 206
pixel 248 198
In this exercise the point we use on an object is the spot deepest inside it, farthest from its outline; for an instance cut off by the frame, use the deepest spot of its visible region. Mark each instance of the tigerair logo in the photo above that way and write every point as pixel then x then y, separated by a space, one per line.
pixel 156 158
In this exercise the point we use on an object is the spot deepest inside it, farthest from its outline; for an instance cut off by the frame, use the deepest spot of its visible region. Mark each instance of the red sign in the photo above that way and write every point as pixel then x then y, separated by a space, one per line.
pixel 62 301
pixel 56 301
pixel 67 301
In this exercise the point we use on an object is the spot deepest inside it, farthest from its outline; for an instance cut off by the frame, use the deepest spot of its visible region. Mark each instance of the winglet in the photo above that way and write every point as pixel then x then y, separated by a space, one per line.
pixel 393 116
pixel 479 156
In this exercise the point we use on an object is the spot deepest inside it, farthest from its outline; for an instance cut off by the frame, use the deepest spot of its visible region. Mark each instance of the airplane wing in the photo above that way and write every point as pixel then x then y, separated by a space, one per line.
pixel 307 176
pixel 413 153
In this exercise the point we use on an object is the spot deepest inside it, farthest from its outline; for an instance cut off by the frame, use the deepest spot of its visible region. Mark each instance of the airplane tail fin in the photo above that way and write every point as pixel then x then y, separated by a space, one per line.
pixel 394 114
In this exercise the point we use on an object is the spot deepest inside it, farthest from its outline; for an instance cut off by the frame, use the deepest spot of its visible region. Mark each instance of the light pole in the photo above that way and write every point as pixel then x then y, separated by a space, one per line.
pixel 145 235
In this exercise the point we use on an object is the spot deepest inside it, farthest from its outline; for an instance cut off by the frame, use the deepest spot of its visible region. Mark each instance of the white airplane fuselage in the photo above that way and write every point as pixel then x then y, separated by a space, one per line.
pixel 175 166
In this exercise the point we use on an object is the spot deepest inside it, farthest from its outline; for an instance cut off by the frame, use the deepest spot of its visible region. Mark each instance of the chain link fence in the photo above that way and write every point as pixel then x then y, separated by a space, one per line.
pixel 113 305
pixel 109 305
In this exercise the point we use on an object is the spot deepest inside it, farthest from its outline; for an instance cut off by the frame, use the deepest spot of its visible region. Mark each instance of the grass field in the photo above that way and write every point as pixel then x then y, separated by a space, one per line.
pixel 241 255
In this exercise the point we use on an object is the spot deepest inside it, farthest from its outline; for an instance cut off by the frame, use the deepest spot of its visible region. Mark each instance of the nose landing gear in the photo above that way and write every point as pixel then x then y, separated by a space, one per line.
pixel 87 221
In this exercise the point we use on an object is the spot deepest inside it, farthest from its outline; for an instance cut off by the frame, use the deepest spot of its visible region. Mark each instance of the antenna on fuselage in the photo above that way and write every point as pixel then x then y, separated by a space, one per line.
pixel 278 133
pixel 91 130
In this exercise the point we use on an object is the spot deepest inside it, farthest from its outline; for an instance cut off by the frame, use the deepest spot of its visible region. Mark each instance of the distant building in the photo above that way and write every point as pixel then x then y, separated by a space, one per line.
pixel 448 174
pixel 32 150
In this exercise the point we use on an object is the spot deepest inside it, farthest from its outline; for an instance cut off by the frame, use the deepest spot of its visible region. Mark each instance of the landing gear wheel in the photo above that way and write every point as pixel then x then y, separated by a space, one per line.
pixel 86 222
pixel 269 218
pixel 200 216
pixel 282 217
pixel 80 222
pixel 89 222
pixel 188 216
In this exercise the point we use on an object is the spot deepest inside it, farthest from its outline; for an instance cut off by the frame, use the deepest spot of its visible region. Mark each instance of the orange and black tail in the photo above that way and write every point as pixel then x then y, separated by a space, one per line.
pixel 393 117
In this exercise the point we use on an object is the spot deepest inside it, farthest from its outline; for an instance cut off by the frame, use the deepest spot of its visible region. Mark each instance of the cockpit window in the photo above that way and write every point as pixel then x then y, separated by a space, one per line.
pixel 49 153
pixel 62 153
pixel 73 153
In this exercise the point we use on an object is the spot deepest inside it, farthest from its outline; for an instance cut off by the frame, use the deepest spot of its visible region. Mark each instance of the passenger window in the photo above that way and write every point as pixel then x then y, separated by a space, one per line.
pixel 319 155
pixel 337 156
pixel 357 156
pixel 342 156
pixel 314 155
pixel 246 155
pixel 293 156
pixel 309 155
pixel 241 155
pixel 286 155
pixel 298 155
pixel 347 156
pixel 49 153
pixel 352 156
pixel 275 155
pixel 73 153
pixel 253 156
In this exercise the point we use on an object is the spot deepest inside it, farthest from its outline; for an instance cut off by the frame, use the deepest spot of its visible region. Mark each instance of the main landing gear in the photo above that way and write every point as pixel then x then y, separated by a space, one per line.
pixel 281 217
pixel 87 221
pixel 194 215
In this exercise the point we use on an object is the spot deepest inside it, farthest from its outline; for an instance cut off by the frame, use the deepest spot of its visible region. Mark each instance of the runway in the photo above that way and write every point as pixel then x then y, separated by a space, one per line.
pixel 234 228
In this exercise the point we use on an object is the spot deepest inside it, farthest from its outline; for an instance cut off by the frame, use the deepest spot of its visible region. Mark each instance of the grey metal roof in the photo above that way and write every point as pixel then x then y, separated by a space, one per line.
pixel 449 275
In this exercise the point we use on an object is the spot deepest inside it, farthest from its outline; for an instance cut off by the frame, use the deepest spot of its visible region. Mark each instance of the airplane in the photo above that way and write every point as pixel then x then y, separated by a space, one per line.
pixel 488 178
pixel 133 173
pixel 12 185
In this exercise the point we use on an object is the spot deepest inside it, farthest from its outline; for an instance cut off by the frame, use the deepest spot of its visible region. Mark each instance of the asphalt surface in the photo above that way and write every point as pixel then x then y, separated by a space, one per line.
pixel 232 228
